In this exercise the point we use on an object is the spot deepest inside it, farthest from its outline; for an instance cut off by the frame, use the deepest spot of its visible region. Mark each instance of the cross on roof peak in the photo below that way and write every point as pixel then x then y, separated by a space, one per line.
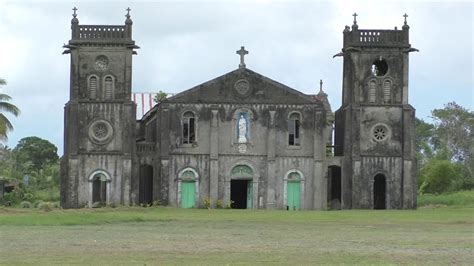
pixel 405 16
pixel 242 52
pixel 128 12
pixel 355 17
pixel 74 14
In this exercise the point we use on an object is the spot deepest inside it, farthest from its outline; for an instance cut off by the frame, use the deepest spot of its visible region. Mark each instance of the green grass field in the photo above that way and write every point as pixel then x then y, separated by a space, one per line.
pixel 138 236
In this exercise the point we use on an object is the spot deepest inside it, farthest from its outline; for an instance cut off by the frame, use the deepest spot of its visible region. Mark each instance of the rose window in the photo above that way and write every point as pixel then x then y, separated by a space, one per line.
pixel 380 133
pixel 100 132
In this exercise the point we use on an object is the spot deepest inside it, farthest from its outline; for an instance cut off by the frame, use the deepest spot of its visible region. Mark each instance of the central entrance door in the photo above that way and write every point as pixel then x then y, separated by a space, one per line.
pixel 379 192
pixel 241 194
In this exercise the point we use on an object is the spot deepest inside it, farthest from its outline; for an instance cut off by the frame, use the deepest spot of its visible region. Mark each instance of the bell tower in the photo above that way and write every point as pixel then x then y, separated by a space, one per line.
pixel 99 118
pixel 374 130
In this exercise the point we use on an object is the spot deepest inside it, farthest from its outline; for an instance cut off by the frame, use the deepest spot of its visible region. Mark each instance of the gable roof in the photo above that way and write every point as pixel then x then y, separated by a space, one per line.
pixel 259 89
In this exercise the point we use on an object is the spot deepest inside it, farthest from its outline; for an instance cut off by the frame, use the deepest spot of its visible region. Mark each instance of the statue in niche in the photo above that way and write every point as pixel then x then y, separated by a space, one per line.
pixel 242 129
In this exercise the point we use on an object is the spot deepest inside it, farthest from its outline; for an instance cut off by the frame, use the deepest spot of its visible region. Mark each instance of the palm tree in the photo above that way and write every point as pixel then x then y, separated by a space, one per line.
pixel 5 106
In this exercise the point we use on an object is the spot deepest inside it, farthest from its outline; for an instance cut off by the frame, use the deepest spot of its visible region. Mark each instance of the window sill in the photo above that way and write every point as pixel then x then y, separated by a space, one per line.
pixel 293 147
pixel 189 145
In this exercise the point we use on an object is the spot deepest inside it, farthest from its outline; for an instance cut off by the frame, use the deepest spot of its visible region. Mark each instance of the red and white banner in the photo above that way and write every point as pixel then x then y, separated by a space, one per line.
pixel 144 101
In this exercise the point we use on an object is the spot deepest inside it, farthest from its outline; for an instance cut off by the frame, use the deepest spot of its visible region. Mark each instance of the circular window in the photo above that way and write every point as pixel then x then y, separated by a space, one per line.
pixel 101 63
pixel 242 87
pixel 380 132
pixel 100 132
pixel 379 67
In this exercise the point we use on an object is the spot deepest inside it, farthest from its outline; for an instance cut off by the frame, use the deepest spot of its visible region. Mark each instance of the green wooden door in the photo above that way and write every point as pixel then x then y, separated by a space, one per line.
pixel 188 192
pixel 294 195
pixel 249 194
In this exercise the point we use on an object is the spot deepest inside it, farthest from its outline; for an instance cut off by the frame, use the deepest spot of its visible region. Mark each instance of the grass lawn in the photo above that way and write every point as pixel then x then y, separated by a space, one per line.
pixel 177 236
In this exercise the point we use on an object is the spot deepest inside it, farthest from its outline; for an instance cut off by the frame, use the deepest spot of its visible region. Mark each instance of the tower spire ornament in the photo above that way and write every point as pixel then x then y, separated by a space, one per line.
pixel 242 52
pixel 405 16
pixel 320 85
pixel 128 21
pixel 355 18
pixel 74 19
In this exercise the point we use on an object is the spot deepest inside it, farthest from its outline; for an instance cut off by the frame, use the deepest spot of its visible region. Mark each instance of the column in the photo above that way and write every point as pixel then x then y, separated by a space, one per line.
pixel 271 182
pixel 214 157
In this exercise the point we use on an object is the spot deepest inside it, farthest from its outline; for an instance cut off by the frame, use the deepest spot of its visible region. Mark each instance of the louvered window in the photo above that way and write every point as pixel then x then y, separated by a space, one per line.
pixel 372 91
pixel 387 91
pixel 109 87
pixel 93 87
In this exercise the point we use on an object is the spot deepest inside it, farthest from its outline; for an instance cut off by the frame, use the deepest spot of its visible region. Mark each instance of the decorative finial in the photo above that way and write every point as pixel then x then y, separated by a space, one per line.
pixel 320 85
pixel 405 16
pixel 355 18
pixel 74 19
pixel 74 14
pixel 128 21
pixel 242 52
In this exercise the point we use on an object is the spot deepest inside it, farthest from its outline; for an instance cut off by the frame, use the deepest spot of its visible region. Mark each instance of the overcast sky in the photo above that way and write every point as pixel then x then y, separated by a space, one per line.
pixel 185 43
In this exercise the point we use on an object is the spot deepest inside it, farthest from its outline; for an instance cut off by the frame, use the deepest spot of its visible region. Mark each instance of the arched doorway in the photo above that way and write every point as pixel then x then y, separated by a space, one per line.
pixel 241 187
pixel 334 187
pixel 187 187
pixel 293 191
pixel 379 192
pixel 146 185
pixel 99 188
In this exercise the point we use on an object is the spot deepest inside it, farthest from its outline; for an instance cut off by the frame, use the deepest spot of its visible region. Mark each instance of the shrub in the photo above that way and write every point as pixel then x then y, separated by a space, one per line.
pixel 56 204
pixel 156 203
pixel 460 198
pixel 438 176
pixel 37 203
pixel 219 204
pixel 25 204
pixel 207 202
pixel 45 206
pixel 229 204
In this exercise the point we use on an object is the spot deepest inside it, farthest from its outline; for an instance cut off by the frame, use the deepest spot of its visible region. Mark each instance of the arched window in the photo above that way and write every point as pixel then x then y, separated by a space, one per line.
pixel 92 85
pixel 387 91
pixel 189 128
pixel 108 87
pixel 294 129
pixel 372 91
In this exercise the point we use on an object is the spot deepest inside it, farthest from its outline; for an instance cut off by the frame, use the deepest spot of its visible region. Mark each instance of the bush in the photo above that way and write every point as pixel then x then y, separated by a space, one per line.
pixel 438 176
pixel 56 205
pixel 25 204
pixel 207 202
pixel 37 203
pixel 45 206
pixel 460 198
pixel 219 204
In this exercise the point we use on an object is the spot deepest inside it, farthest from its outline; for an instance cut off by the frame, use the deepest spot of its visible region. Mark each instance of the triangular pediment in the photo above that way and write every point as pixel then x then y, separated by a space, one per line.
pixel 242 86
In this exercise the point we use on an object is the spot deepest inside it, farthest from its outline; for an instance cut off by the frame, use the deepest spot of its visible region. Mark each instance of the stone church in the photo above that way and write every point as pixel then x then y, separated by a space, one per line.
pixel 241 140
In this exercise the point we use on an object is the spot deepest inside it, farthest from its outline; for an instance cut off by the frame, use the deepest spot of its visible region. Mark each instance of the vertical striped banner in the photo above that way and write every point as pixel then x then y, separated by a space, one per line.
pixel 145 101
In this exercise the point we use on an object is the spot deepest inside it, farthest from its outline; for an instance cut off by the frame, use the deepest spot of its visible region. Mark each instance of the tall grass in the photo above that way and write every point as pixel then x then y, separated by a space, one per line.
pixel 460 198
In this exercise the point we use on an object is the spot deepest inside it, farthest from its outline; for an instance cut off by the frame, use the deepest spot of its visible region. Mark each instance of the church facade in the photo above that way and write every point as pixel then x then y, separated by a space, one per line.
pixel 240 140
